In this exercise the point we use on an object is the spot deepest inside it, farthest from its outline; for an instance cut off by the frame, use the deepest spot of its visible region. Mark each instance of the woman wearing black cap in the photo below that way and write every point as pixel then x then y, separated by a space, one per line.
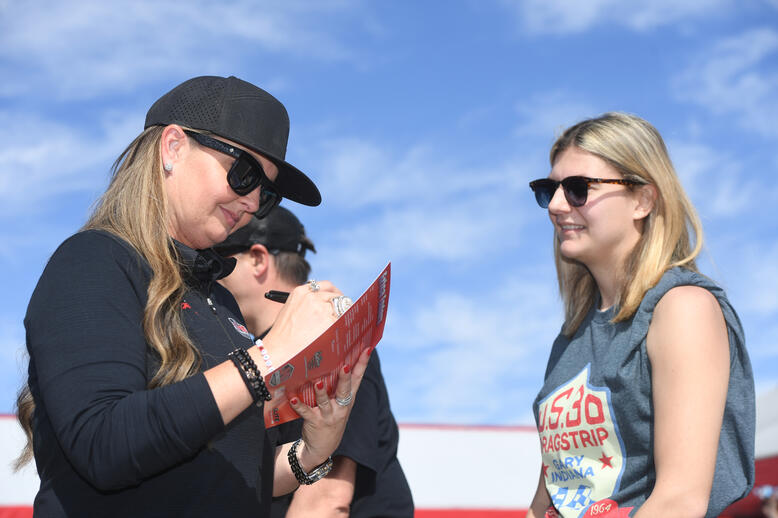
pixel 142 375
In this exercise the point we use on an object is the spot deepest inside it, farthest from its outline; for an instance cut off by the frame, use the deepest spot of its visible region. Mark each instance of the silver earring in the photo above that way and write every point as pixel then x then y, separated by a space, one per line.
pixel 168 166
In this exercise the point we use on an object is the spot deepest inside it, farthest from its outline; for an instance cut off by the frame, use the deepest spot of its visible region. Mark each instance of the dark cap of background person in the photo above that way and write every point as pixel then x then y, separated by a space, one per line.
pixel 239 111
pixel 279 231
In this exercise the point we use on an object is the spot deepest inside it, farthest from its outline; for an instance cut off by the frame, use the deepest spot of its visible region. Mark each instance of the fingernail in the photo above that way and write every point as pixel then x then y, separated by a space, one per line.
pixel 293 401
pixel 346 369
pixel 320 385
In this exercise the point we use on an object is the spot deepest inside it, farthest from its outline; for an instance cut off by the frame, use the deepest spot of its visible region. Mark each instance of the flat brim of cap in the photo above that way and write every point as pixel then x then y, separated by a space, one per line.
pixel 294 185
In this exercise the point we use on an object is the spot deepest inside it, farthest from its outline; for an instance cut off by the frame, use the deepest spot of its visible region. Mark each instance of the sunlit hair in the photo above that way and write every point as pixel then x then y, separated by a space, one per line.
pixel 134 208
pixel 671 234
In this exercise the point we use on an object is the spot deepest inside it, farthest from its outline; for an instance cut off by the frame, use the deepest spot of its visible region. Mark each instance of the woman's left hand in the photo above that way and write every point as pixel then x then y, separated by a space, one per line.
pixel 323 425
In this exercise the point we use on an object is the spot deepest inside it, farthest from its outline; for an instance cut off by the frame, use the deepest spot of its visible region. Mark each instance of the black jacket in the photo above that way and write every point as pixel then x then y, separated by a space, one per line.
pixel 105 444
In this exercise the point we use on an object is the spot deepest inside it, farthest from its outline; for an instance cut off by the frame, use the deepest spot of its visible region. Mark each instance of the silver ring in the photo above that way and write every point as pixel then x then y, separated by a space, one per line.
pixel 346 401
pixel 340 304
pixel 313 285
pixel 337 305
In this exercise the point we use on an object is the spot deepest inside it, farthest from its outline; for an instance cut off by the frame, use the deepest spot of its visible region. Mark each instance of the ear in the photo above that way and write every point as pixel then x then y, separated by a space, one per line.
pixel 260 260
pixel 645 198
pixel 172 143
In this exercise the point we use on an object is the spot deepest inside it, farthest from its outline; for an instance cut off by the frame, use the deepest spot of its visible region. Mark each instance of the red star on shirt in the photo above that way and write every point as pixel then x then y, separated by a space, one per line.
pixel 606 461
pixel 545 471
pixel 185 305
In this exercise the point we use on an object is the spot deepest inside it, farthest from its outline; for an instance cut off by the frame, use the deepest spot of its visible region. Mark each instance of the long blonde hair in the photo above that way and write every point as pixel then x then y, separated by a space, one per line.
pixel 134 208
pixel 671 235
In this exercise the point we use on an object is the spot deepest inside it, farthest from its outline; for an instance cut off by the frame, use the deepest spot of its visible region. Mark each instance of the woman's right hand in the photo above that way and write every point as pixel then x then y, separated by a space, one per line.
pixel 305 315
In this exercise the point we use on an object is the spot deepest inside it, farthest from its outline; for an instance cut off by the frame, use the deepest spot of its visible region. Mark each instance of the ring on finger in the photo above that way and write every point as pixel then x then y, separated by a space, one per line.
pixel 313 285
pixel 336 306
pixel 340 304
pixel 346 401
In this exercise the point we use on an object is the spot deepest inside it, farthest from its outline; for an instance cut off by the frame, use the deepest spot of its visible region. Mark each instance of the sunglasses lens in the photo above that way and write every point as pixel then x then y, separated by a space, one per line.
pixel 544 190
pixel 268 199
pixel 244 176
pixel 576 188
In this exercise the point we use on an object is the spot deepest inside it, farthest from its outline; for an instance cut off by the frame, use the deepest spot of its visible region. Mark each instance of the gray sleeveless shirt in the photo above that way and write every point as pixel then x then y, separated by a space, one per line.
pixel 595 414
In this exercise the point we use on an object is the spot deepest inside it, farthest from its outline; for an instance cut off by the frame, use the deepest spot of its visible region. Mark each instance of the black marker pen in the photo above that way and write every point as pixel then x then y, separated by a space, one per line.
pixel 277 296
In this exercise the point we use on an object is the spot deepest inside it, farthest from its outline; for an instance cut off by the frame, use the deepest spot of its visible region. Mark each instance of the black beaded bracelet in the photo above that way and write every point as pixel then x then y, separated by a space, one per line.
pixel 250 374
pixel 303 478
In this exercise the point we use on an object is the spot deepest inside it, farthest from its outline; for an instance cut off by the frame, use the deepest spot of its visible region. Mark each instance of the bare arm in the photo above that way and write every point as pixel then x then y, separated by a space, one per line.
pixel 688 348
pixel 330 497
pixel 541 501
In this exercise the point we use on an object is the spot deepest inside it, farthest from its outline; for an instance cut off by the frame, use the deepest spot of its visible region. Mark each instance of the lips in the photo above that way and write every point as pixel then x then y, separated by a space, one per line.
pixel 230 216
pixel 570 227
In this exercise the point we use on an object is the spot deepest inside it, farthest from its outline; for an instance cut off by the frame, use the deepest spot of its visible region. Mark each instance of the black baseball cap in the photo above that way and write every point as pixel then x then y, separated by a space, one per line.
pixel 237 110
pixel 279 231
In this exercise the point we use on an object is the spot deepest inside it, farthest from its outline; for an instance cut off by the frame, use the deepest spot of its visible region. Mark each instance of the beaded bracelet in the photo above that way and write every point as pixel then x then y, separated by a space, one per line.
pixel 264 353
pixel 317 473
pixel 250 374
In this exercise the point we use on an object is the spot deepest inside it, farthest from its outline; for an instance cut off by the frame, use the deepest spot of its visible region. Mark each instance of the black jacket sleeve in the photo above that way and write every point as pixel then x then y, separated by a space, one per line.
pixel 88 364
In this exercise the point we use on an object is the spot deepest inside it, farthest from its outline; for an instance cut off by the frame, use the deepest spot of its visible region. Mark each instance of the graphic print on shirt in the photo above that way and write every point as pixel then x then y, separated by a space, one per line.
pixel 582 451
pixel 240 328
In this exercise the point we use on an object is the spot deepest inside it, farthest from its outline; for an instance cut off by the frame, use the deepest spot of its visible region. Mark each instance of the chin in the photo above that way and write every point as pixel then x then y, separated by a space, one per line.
pixel 570 251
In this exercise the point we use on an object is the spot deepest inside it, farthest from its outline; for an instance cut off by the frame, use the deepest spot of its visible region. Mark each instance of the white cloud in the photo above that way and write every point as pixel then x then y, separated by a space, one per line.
pixel 715 181
pixel 572 16
pixel 45 159
pixel 758 289
pixel 420 206
pixel 731 78
pixel 476 355
pixel 457 230
pixel 357 173
pixel 79 49
pixel 13 356
pixel 547 115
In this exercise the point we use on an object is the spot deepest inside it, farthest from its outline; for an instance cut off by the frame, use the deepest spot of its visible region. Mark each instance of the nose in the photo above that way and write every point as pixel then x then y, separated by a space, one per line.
pixel 251 200
pixel 558 203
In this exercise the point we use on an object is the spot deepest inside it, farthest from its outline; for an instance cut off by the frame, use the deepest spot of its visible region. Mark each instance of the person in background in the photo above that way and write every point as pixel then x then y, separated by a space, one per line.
pixel 145 390
pixel 367 479
pixel 647 406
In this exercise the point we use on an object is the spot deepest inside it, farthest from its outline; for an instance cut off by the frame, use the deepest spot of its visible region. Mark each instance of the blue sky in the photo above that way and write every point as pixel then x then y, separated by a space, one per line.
pixel 421 122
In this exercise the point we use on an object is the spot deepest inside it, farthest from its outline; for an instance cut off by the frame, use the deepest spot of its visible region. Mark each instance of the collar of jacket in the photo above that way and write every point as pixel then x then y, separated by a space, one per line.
pixel 204 265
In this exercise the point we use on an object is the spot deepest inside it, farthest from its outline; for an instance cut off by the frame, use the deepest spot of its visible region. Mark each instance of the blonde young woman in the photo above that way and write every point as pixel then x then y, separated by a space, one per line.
pixel 145 393
pixel 647 407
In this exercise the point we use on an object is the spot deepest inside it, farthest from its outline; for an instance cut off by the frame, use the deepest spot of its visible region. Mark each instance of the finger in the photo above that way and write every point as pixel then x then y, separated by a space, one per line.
pixel 344 389
pixel 327 295
pixel 317 286
pixel 353 379
pixel 322 399
pixel 301 408
pixel 328 287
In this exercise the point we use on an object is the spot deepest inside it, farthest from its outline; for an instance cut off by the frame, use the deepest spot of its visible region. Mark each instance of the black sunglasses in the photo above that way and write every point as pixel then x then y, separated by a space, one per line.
pixel 245 174
pixel 576 188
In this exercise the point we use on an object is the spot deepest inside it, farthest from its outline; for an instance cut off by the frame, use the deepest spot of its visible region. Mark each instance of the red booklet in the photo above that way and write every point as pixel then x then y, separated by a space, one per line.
pixel 360 327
